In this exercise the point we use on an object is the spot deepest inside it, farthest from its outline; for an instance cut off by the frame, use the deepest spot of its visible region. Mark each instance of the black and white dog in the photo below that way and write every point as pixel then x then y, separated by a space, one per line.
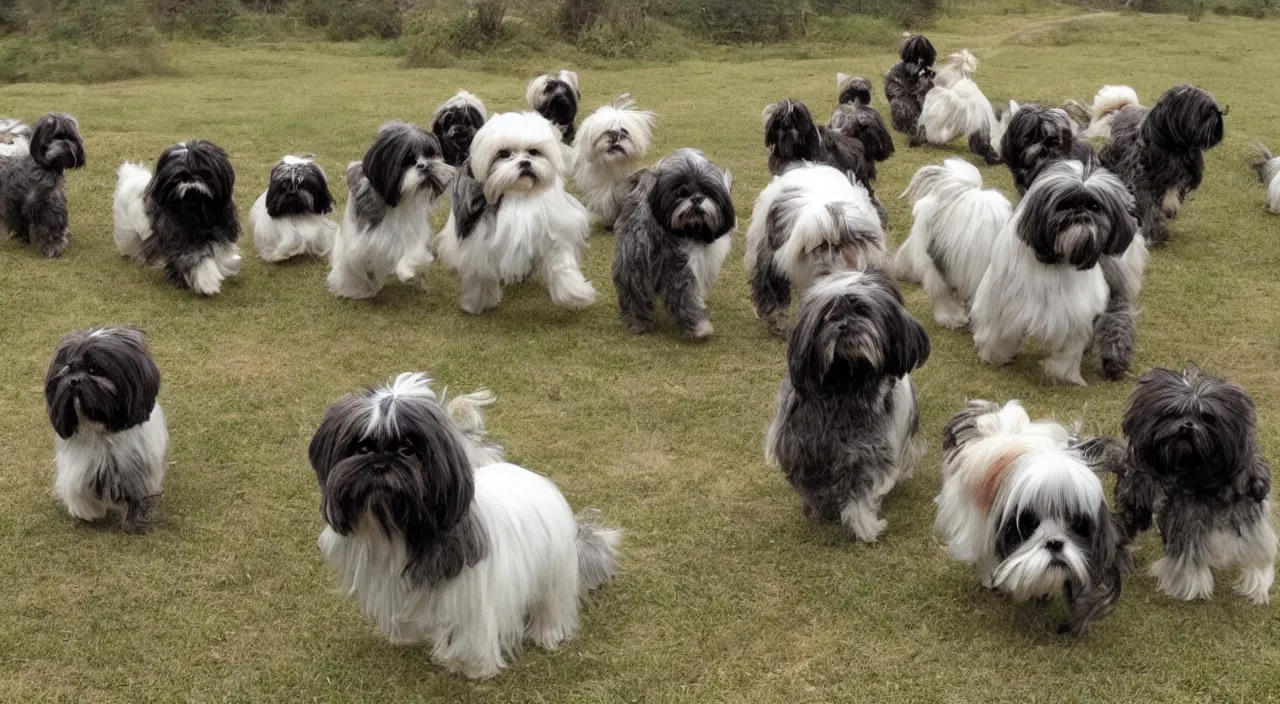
pixel 1029 137
pixel 854 117
pixel 845 430
pixel 1160 153
pixel 111 441
pixel 33 199
pixel 291 217
pixel 182 217
pixel 1194 465
pixel 907 83
pixel 455 123
pixel 556 98
pixel 673 236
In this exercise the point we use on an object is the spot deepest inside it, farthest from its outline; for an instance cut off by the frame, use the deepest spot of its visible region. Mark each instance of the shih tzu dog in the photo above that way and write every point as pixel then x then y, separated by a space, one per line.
pixel 1268 168
pixel 846 427
pixel 1021 502
pixel 792 138
pixel 1095 120
pixel 854 117
pixel 33 200
pixel 1160 153
pixel 673 236
pixel 510 215
pixel 610 142
pixel 1030 137
pixel 949 249
pixel 556 98
pixel 111 442
pixel 471 559
pixel 454 123
pixel 1194 465
pixel 1044 280
pixel 907 83
pixel 182 217
pixel 15 137
pixel 291 217
pixel 390 196
pixel 810 221
pixel 955 107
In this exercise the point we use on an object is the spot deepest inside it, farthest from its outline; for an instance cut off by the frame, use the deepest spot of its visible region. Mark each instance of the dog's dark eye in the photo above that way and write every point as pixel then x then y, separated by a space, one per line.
pixel 1082 527
pixel 623 133
pixel 406 449
pixel 534 153
pixel 1092 206
pixel 91 368
pixel 1027 523
pixel 364 448
pixel 504 153
pixel 1209 418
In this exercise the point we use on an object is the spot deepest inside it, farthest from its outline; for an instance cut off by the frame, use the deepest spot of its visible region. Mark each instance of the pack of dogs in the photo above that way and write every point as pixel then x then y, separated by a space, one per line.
pixel 442 541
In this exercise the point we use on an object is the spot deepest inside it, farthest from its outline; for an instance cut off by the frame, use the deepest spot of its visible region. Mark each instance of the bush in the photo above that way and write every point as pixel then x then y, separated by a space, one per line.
pixel 11 18
pixel 736 21
pixel 577 16
pixel 25 59
pixel 265 5
pixel 348 20
pixel 102 23
pixel 437 38
pixel 211 19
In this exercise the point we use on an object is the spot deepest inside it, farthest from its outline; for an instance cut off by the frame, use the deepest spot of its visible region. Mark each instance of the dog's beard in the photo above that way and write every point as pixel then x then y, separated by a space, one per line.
pixel 182 190
pixel 512 177
pixel 92 400
pixel 614 152
pixel 697 216
pixel 388 491
pixel 1033 570
pixel 434 177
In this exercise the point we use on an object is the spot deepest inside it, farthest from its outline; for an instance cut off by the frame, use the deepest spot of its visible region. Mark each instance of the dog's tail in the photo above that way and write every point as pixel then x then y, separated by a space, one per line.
pixel 951 175
pixel 1079 113
pixel 1095 120
pixel 597 551
pixel 1265 163
pixel 959 66
pixel 467 411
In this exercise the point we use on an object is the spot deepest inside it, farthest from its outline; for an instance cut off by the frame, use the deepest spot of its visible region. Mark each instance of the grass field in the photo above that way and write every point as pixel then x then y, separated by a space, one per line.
pixel 728 594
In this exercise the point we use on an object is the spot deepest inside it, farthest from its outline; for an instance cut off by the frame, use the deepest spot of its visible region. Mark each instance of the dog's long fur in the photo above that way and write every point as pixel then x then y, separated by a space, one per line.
pixel 949 248
pixel 955 107
pixel 1194 466
pixel 33 198
pixel 111 440
pixel 183 217
pixel 1160 153
pixel 510 216
pixel 391 193
pixel 673 236
pixel 1044 280
pixel 845 430
pixel 793 138
pixel 1023 505
pixel 609 145
pixel 807 222
pixel 471 558
pixel 1095 120
pixel 556 98
pixel 907 84
pixel 1268 167
pixel 291 218
pixel 1030 137
pixel 855 117
pixel 454 123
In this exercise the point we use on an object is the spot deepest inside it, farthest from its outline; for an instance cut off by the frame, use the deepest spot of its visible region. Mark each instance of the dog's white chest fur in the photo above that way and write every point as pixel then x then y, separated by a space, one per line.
pixel 80 459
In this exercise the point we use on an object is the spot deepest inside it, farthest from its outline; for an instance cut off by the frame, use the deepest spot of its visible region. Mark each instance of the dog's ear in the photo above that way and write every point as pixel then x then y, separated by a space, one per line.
pixel 907 347
pixel 811 347
pixel 1108 561
pixel 728 181
pixel 768 113
pixel 56 143
pixel 572 79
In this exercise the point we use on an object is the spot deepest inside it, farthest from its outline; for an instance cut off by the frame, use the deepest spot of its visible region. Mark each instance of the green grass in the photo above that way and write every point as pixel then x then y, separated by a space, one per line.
pixel 728 594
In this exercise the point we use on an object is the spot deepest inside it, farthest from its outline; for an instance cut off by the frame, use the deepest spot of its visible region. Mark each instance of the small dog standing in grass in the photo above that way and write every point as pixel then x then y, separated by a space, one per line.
pixel 33 198
pixel 111 441
pixel 906 85
pixel 610 143
pixel 291 217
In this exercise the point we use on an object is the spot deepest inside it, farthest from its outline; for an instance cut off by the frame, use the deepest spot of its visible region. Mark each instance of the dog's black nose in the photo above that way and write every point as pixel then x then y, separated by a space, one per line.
pixel 1054 545
pixel 525 163
pixel 75 381
pixel 1188 425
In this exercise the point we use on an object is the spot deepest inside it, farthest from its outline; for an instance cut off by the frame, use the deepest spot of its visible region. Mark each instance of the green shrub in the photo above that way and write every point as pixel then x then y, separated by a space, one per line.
pixel 348 20
pixel 11 17
pixel 736 21
pixel 212 19
pixel 578 16
pixel 437 38
pixel 102 23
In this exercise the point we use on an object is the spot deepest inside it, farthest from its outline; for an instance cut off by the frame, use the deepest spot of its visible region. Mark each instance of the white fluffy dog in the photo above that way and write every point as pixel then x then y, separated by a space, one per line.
pixel 956 107
pixel 809 221
pixel 609 144
pixel 949 248
pixel 511 215
pixel 1095 120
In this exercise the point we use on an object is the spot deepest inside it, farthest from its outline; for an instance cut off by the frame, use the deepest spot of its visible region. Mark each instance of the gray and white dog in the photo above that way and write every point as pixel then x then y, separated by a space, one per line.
pixel 1268 167
pixel 1160 152
pixel 674 232
pixel 111 440
pixel 1194 465
pixel 33 202
pixel 846 427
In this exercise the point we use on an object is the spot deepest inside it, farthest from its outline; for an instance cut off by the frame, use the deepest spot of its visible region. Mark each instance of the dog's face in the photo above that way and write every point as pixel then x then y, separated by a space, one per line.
pixel 455 124
pixel 102 376
pixel 403 161
pixel 1037 136
pixel 617 133
pixel 691 196
pixel 195 170
pixel 56 143
pixel 298 186
pixel 1185 118
pixel 853 90
pixel 1038 552
pixel 1190 427
pixel 392 455
pixel 917 49
pixel 790 132
pixel 555 97
pixel 1076 214
pixel 853 328
pixel 516 152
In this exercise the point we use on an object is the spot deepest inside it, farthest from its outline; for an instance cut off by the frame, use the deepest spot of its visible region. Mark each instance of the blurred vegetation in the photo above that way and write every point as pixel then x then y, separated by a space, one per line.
pixel 103 40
